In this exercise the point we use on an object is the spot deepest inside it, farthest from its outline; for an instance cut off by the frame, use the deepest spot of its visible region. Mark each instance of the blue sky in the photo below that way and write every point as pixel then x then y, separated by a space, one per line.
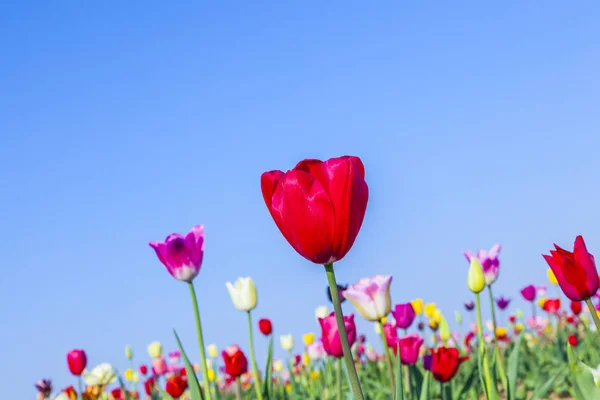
pixel 122 122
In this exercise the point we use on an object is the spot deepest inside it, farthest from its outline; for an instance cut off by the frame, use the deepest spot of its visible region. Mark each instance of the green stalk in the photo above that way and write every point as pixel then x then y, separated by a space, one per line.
pixel 253 359
pixel 388 358
pixel 339 317
pixel 80 387
pixel 407 379
pixel 594 314
pixel 238 388
pixel 339 378
pixel 496 346
pixel 207 392
pixel 486 366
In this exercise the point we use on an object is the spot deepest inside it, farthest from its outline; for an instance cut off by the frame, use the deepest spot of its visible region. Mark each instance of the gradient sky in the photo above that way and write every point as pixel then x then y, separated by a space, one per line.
pixel 124 121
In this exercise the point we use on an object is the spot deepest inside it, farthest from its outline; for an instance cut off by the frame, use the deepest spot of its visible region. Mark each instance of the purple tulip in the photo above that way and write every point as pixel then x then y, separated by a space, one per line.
pixel 529 293
pixel 404 314
pixel 489 262
pixel 470 306
pixel 502 302
pixel 182 255
pixel 427 362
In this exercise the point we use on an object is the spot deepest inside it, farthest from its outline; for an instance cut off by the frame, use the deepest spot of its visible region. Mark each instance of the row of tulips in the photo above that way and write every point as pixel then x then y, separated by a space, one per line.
pixel 319 208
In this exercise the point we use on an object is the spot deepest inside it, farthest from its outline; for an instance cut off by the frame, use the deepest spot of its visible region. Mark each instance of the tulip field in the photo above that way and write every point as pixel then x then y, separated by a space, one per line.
pixel 548 351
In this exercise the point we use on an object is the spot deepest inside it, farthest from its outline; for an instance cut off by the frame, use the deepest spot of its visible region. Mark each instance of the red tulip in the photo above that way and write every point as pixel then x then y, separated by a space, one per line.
pixel 318 206
pixel 76 360
pixel 143 369
pixel 149 385
pixel 265 326
pixel 512 319
pixel 552 306
pixel 573 340
pixel 330 335
pixel 235 361
pixel 70 392
pixel 576 307
pixel 175 386
pixel 575 271
pixel 445 362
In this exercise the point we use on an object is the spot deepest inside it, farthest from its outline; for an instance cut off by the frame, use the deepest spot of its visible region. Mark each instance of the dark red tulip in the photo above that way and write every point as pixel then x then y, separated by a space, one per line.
pixel 175 386
pixel 576 307
pixel 318 206
pixel 575 271
pixel 265 326
pixel 552 306
pixel 512 319
pixel 235 361
pixel 77 361
pixel 44 386
pixel 529 293
pixel 149 386
pixel 445 363
pixel 143 369
pixel 573 340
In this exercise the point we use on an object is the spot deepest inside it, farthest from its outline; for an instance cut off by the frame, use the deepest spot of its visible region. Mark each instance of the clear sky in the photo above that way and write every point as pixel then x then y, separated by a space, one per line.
pixel 124 121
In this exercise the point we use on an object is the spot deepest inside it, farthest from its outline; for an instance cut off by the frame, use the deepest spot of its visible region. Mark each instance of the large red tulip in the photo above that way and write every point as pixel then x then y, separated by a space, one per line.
pixel 76 360
pixel 445 362
pixel 575 271
pixel 318 206
pixel 175 386
pixel 235 361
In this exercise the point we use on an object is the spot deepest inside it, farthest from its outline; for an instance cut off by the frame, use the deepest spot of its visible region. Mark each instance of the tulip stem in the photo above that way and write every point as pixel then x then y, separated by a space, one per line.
pixel 238 388
pixel 499 357
pixel 388 358
pixel 207 392
pixel 79 384
pixel 482 353
pixel 339 317
pixel 253 359
pixel 594 314
pixel 339 378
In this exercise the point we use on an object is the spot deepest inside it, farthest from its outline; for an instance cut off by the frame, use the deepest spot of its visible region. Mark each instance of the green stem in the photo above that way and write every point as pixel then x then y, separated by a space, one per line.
pixel 493 315
pixel 253 359
pixel 499 357
pixel 339 317
pixel 388 358
pixel 442 390
pixel 407 379
pixel 594 314
pixel 486 367
pixel 238 388
pixel 80 386
pixel 339 378
pixel 207 392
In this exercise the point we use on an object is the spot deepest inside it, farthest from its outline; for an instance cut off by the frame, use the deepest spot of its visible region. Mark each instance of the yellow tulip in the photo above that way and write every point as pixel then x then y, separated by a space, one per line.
pixel 552 277
pixel 308 338
pixel 430 309
pixel 541 302
pixel 433 324
pixel 155 349
pixel 417 305
pixel 519 327
pixel 211 375
pixel 501 332
pixel 212 350
pixel 445 333
pixel 475 277
pixel 305 359
pixel 314 375
pixel 437 315
pixel 129 374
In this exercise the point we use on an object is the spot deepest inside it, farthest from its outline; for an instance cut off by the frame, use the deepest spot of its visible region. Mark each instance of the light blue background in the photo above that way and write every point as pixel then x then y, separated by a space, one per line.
pixel 123 121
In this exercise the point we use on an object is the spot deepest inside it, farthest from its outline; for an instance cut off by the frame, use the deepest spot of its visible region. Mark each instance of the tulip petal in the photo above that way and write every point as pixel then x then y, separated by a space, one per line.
pixel 268 183
pixel 585 260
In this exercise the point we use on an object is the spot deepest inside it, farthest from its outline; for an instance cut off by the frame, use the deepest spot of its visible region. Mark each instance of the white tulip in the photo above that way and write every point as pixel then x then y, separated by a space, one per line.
pixel 287 342
pixel 321 312
pixel 101 375
pixel 243 294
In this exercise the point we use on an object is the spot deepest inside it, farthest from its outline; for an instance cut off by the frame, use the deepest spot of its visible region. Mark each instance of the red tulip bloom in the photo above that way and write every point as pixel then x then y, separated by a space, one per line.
pixel 70 392
pixel 76 360
pixel 175 386
pixel 330 336
pixel 149 386
pixel 573 340
pixel 576 307
pixel 318 206
pixel 143 370
pixel 265 326
pixel 575 271
pixel 552 306
pixel 235 361
pixel 512 319
pixel 445 362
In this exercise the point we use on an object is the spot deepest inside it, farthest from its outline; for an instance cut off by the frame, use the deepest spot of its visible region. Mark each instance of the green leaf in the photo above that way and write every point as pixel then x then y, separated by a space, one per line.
pixel 417 378
pixel 193 384
pixel 545 387
pixel 127 396
pixel 425 386
pixel 583 381
pixel 513 369
pixel 471 376
pixel 267 384
pixel 165 395
pixel 399 395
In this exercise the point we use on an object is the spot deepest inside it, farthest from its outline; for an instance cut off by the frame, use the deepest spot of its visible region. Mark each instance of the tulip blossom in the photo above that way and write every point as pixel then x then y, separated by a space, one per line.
pixel 489 263
pixel 243 294
pixel 576 307
pixel 502 302
pixel 430 309
pixel 417 305
pixel 529 293
pixel 265 326
pixel 101 375
pixel 404 315
pixel 212 350
pixel 371 297
pixel 470 305
pixel 318 206
pixel 44 387
pixel 182 255
pixel 287 342
pixel 154 349
pixel 573 340
pixel 551 306
pixel 76 361
pixel 159 366
pixel 475 276
pixel 174 357
pixel 445 363
pixel 236 363
pixel 575 271
pixel 175 386
pixel 409 348
pixel 391 334
pixel 321 312
pixel 331 337
pixel 308 338
pixel 341 289
pixel 316 350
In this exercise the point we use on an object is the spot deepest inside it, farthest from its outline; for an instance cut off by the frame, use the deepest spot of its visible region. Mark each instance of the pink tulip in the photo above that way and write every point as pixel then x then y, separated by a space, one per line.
pixel 409 348
pixel 174 357
pixel 182 255
pixel 316 351
pixel 371 354
pixel 331 337
pixel 391 334
pixel 371 297
pixel 529 293
pixel 159 366
pixel 404 315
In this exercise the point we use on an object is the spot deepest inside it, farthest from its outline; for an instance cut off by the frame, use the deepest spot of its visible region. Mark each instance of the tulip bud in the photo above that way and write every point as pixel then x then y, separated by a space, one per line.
pixel 430 309
pixel 444 329
pixel 308 338
pixel 287 342
pixel 458 317
pixel 519 313
pixel 128 352
pixel 475 277
pixel 212 350
pixel 155 349
pixel 243 294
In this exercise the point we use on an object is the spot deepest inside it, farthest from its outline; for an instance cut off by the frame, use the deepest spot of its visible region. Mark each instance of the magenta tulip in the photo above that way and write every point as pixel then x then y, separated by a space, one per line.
pixel 330 335
pixel 182 255
pixel 529 293
pixel 404 314
pixel 489 262
pixel 391 334
pixel 409 348
pixel 502 302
